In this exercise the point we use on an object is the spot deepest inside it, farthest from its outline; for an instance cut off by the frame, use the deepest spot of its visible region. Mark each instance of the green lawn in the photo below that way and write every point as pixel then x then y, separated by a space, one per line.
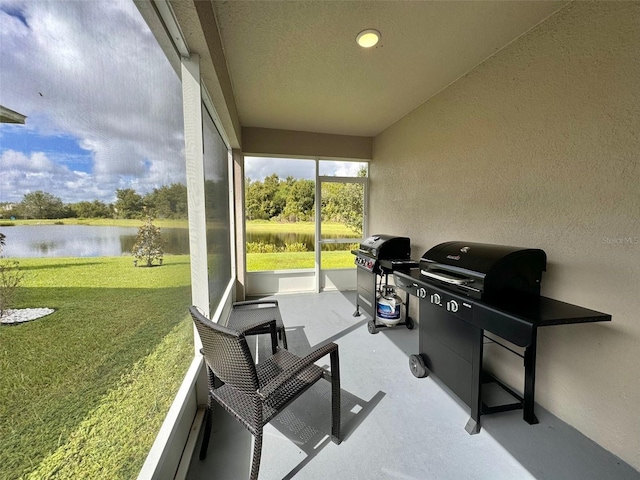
pixel 329 228
pixel 84 390
pixel 99 222
pixel 289 261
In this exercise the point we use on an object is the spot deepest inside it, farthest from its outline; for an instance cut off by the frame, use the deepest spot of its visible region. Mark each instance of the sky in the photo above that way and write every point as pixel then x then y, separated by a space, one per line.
pixel 257 168
pixel 103 105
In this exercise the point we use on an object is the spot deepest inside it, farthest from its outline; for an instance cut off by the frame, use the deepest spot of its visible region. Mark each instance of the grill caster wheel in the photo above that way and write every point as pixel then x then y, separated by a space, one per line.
pixel 410 323
pixel 417 366
pixel 371 326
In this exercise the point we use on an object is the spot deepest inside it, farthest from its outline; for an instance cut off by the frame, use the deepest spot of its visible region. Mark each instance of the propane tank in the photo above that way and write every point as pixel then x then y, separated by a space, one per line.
pixel 388 306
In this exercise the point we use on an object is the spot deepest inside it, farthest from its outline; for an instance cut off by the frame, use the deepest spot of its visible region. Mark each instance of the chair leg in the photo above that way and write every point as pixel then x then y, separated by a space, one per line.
pixel 283 337
pixel 335 397
pixel 207 431
pixel 257 454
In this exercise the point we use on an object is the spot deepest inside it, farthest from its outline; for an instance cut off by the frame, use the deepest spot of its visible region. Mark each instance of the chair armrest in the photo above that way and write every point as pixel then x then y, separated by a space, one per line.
pixel 255 302
pixel 264 323
pixel 267 390
pixel 251 326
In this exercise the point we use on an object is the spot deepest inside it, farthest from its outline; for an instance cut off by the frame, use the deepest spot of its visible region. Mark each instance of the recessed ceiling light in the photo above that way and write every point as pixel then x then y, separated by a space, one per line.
pixel 368 38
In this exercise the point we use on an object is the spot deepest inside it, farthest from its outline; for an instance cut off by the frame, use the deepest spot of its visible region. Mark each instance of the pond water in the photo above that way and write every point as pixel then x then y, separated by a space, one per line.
pixel 83 241
pixel 280 239
pixel 94 241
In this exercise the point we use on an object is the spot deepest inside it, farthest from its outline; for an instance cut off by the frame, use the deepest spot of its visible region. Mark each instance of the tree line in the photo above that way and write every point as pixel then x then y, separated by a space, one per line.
pixel 283 200
pixel 293 200
pixel 164 202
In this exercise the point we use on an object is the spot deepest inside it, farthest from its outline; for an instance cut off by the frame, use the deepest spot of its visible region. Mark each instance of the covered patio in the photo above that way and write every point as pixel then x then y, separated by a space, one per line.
pixel 394 425
pixel 509 123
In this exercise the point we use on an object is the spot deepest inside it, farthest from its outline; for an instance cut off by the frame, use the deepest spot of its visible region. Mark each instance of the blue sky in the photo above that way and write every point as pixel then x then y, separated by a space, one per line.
pixel 103 105
pixel 65 149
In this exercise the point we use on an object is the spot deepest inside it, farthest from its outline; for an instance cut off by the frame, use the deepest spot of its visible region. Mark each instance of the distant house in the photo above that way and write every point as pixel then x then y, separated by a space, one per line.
pixel 9 116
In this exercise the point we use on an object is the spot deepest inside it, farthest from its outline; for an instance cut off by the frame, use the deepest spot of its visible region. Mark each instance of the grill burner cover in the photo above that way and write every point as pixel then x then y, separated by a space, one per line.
pixel 483 271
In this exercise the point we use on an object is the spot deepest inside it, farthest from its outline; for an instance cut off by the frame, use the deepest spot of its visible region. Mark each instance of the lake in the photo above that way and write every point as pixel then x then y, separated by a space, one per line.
pixel 94 241
pixel 83 241
pixel 280 239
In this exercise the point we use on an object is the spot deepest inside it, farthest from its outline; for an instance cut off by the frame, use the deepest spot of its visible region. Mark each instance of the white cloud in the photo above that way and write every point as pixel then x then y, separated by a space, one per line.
pixel 23 174
pixel 257 168
pixel 93 71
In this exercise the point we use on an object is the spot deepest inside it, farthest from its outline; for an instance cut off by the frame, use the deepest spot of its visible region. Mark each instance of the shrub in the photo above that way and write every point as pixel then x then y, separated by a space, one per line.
pixel 149 245
pixel 295 247
pixel 259 247
pixel 10 279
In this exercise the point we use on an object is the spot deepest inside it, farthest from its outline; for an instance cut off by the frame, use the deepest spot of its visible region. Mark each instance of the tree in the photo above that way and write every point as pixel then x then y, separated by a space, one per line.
pixel 167 201
pixel 128 204
pixel 273 203
pixel 95 209
pixel 40 204
pixel 253 202
pixel 300 201
pixel 343 202
pixel 149 245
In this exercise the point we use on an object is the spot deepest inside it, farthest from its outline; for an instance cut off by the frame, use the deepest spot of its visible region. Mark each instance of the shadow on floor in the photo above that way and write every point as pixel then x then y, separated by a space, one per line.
pixel 305 423
pixel 394 426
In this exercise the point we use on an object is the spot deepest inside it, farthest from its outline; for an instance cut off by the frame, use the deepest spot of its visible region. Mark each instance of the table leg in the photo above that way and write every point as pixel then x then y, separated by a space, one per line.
pixel 530 379
pixel 473 425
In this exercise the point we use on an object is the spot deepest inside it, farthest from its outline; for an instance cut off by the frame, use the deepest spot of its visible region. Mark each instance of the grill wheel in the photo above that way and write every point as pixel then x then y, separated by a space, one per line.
pixel 371 326
pixel 417 366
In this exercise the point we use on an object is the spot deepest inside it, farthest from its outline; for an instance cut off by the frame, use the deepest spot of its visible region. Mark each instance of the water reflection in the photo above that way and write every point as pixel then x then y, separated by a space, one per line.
pixel 83 241
pixel 95 241
pixel 280 239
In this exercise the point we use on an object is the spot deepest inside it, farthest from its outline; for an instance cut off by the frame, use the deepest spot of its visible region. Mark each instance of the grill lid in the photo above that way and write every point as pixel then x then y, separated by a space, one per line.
pixel 483 270
pixel 386 247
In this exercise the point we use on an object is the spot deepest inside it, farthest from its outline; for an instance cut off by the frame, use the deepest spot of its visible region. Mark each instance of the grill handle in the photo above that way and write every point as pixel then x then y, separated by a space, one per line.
pixel 446 278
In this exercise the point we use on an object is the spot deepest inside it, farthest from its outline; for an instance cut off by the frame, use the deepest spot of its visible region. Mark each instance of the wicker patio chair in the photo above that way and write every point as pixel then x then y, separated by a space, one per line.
pixel 248 313
pixel 255 394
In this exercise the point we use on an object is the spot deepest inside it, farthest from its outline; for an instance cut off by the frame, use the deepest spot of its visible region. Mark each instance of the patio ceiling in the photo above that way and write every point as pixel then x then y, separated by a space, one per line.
pixel 296 66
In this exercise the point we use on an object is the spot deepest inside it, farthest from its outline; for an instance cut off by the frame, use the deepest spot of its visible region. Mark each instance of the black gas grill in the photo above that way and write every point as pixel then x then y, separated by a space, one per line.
pixel 467 288
pixel 484 271
pixel 380 253
pixel 378 256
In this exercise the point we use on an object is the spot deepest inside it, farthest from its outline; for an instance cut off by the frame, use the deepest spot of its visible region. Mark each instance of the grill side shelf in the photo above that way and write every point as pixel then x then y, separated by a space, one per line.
pixel 514 318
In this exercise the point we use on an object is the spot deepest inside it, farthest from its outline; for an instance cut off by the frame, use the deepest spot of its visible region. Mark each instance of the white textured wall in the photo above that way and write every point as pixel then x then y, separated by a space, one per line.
pixel 539 147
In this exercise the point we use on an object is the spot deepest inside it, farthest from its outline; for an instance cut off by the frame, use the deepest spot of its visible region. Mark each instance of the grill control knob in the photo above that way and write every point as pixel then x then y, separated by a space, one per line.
pixel 452 306
pixel 435 298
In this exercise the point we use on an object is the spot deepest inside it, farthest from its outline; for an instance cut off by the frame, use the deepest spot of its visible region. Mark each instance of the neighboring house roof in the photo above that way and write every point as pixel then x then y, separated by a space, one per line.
pixel 9 116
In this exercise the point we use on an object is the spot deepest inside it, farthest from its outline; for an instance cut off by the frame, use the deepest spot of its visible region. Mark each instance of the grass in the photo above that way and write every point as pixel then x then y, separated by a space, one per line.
pixel 287 261
pixel 101 222
pixel 290 261
pixel 328 228
pixel 84 390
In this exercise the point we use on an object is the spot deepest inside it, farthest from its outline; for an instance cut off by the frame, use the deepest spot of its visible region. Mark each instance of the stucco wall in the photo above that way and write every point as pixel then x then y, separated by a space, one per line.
pixel 539 147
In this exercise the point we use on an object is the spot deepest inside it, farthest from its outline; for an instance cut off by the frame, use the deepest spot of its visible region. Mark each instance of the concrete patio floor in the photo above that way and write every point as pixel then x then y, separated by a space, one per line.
pixel 394 426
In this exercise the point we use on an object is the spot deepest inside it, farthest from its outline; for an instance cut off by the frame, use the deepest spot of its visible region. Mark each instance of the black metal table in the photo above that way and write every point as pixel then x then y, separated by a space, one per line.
pixel 451 338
